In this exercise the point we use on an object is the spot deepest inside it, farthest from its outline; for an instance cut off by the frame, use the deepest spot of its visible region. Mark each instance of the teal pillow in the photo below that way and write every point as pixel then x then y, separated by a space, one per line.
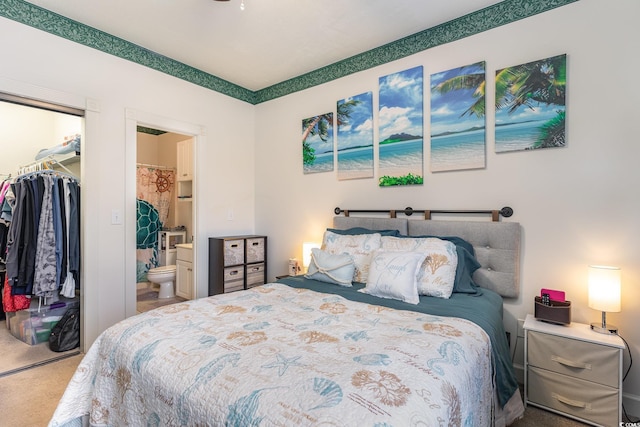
pixel 325 267
pixel 467 265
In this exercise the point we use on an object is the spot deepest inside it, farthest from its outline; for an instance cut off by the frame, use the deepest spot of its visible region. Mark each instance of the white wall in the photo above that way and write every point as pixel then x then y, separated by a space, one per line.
pixel 21 139
pixel 577 205
pixel 36 64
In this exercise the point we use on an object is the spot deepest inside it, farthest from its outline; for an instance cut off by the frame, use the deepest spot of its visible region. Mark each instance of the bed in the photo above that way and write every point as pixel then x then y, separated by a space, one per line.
pixel 308 351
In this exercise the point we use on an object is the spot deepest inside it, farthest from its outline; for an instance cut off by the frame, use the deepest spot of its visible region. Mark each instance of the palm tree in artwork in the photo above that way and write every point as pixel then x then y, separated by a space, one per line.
pixel 541 81
pixel 475 81
pixel 525 85
pixel 319 126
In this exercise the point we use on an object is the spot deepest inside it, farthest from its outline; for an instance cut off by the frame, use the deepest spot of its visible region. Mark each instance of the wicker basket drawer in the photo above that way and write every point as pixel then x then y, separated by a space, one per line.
pixel 580 359
pixel 595 402
pixel 233 279
pixel 233 252
pixel 255 275
pixel 255 249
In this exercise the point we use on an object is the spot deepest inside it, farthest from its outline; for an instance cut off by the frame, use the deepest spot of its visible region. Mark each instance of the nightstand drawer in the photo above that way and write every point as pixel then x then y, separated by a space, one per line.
pixel 595 402
pixel 579 359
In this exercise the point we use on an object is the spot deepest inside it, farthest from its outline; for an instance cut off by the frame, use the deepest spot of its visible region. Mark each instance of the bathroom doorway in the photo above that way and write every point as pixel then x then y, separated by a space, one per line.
pixel 161 201
pixel 164 199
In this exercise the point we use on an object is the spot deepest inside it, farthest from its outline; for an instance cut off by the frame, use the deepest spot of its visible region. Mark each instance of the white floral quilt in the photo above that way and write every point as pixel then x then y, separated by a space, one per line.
pixel 279 356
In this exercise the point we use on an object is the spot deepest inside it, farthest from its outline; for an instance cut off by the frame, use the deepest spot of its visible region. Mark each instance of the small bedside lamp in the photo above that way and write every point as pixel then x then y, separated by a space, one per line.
pixel 604 295
pixel 306 253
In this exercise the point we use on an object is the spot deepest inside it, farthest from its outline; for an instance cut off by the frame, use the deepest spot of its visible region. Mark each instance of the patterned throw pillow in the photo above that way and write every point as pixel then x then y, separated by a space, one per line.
pixel 360 247
pixel 393 275
pixel 337 269
pixel 438 273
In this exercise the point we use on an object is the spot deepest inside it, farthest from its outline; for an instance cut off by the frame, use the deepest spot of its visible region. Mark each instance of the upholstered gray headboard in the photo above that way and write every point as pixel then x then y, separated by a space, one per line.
pixel 496 244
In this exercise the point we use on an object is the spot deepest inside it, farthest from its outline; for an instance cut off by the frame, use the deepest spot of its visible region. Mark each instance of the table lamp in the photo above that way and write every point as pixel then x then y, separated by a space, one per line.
pixel 604 295
pixel 306 253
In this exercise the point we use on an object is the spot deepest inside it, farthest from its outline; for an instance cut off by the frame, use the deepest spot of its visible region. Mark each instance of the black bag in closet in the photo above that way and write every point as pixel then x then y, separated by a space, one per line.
pixel 65 335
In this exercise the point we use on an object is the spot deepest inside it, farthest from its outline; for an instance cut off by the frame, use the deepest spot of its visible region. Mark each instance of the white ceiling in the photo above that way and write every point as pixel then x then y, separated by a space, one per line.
pixel 268 42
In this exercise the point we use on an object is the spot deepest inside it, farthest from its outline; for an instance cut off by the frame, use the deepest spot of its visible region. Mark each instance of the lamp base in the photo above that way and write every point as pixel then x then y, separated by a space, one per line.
pixel 608 328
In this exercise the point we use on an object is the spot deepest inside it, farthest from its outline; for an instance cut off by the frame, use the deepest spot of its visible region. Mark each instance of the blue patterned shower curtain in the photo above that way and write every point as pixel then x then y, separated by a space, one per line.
pixel 154 192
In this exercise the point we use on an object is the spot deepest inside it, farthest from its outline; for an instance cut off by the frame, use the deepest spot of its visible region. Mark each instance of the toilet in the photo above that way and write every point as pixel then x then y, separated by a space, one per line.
pixel 164 276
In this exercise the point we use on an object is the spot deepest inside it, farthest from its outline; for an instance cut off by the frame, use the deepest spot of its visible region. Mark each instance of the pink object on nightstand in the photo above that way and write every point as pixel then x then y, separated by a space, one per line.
pixel 553 294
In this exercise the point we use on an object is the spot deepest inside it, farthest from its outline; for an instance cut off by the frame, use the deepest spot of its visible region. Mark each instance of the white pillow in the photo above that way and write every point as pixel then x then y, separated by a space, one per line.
pixel 337 269
pixel 438 273
pixel 393 275
pixel 359 246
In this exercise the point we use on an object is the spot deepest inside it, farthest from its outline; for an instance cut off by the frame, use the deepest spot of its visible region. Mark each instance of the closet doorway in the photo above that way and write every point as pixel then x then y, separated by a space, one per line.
pixel 39 140
pixel 165 199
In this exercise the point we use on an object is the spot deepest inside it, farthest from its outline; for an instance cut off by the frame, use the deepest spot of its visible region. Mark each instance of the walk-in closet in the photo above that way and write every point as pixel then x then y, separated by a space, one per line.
pixel 40 196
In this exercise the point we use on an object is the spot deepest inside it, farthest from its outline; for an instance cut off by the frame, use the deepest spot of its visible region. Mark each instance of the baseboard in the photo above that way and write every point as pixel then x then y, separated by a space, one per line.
pixel 631 404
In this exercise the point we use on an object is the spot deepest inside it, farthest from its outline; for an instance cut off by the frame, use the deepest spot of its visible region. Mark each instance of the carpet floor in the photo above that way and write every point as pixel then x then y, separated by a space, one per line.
pixel 30 397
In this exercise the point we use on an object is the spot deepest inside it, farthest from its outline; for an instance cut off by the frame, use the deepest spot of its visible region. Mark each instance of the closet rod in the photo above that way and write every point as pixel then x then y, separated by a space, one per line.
pixel 50 172
pixel 43 166
pixel 147 165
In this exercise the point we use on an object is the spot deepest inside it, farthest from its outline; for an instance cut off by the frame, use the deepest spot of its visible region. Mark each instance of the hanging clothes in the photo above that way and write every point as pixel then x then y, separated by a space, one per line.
pixel 4 225
pixel 43 254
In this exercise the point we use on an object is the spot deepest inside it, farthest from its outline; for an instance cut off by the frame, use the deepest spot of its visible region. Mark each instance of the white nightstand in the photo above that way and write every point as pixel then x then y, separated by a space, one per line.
pixel 573 371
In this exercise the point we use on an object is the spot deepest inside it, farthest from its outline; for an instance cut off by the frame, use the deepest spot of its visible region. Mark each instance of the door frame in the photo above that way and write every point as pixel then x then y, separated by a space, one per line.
pixel 89 212
pixel 135 118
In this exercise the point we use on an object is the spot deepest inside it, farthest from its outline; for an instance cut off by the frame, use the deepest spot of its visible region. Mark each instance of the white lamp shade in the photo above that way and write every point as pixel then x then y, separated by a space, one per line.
pixel 604 288
pixel 306 252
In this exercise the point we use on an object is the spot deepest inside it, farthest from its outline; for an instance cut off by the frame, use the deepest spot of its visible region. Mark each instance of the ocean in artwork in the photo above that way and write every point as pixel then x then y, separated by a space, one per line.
pixel 457 119
pixel 401 158
pixel 355 137
pixel 517 136
pixel 322 163
pixel 460 150
pixel 355 162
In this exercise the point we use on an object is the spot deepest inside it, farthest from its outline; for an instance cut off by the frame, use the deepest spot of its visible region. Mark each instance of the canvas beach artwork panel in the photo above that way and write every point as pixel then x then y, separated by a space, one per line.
pixel 530 105
pixel 458 118
pixel 354 121
pixel 317 143
pixel 400 132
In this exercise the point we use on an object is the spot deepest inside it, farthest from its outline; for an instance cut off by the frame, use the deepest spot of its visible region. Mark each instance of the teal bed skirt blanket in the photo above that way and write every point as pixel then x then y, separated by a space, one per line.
pixel 483 308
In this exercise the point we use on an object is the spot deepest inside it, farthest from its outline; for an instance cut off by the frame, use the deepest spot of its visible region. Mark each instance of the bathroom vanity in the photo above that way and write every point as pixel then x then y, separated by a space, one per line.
pixel 184 270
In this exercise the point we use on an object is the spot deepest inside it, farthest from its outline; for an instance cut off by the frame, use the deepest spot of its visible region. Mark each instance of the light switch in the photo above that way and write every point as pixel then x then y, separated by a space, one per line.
pixel 116 217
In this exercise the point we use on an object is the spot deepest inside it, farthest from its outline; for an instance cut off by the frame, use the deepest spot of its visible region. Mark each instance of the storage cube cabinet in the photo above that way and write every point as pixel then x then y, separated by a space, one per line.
pixel 237 263
pixel 574 371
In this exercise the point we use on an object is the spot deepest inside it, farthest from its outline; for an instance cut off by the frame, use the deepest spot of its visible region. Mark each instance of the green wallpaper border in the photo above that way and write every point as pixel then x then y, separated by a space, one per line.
pixel 502 13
